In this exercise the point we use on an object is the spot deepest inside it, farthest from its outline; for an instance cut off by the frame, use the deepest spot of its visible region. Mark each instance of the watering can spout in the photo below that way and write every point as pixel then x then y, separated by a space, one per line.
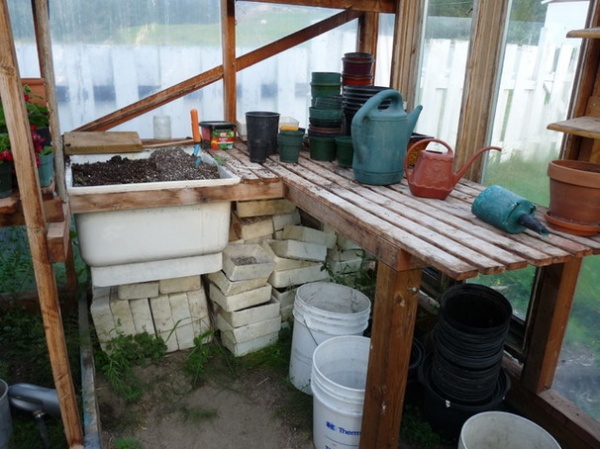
pixel 412 119
pixel 460 173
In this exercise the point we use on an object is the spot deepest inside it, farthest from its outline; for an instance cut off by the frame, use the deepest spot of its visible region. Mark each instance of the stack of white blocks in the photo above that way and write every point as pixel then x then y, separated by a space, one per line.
pixel 174 309
pixel 241 297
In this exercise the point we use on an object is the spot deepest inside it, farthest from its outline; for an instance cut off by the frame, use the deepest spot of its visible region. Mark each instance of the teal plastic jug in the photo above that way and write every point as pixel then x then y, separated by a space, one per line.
pixel 380 136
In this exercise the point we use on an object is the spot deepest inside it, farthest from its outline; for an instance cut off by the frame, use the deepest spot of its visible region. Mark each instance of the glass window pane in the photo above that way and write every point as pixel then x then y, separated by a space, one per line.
pixel 444 58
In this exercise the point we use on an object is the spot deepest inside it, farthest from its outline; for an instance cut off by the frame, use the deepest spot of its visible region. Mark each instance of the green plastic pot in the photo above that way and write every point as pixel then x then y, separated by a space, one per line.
pixel 345 150
pixel 322 148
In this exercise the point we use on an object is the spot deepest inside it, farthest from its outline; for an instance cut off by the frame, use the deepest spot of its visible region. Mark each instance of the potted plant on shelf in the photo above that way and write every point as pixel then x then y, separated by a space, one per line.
pixel 6 166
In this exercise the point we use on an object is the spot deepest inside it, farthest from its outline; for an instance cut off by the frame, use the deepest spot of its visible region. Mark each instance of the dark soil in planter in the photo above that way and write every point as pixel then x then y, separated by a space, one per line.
pixel 165 164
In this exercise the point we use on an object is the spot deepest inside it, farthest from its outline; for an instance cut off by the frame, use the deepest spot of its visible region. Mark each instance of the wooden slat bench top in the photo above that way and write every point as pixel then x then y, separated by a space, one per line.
pixel 388 221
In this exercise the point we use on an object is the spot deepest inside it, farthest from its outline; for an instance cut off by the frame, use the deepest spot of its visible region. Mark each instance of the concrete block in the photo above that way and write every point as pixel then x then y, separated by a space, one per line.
pixel 163 321
pixel 248 347
pixel 242 300
pixel 309 235
pixel 346 243
pixel 345 266
pixel 229 287
pixel 178 285
pixel 285 297
pixel 251 228
pixel 280 221
pixel 295 249
pixel 249 331
pixel 286 313
pixel 339 255
pixel 121 314
pixel 259 208
pixel 142 316
pixel 199 313
pixel 182 320
pixel 138 290
pixel 281 263
pixel 311 272
pixel 241 262
pixel 251 314
pixel 102 316
pixel 278 235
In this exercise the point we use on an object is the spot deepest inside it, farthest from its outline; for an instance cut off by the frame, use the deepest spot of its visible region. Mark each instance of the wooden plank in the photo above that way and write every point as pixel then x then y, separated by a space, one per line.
pixel 98 142
pixel 103 202
pixel 59 238
pixel 551 307
pixel 368 30
pixel 585 126
pixel 384 6
pixel 394 314
pixel 229 61
pixel 24 161
pixel 587 33
pixel 487 29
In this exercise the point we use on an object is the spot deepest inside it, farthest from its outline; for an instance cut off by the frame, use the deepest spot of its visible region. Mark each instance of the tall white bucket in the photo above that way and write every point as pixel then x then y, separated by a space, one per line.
pixel 323 310
pixel 501 430
pixel 339 376
pixel 5 418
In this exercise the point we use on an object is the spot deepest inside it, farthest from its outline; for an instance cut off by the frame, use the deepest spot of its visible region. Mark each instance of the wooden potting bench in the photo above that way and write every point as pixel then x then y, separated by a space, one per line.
pixel 405 234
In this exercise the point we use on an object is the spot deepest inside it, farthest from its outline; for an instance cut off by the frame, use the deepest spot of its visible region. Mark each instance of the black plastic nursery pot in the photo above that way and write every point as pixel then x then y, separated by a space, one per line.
pixel 447 416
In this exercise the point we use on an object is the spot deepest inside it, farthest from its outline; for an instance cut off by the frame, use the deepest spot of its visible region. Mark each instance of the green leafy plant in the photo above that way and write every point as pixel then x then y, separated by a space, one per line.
pixel 122 354
pixel 418 432
pixel 128 443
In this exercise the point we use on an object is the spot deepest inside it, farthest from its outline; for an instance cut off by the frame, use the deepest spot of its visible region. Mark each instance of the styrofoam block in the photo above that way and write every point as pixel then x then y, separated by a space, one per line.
pixel 142 317
pixel 241 262
pixel 285 297
pixel 138 290
pixel 229 287
pixel 295 249
pixel 178 285
pixel 102 316
pixel 241 349
pixel 310 273
pixel 251 228
pixel 249 331
pixel 309 235
pixel 345 266
pixel 182 320
pixel 251 314
pixel 121 314
pixel 280 221
pixel 241 300
pixel 339 255
pixel 257 208
pixel 163 321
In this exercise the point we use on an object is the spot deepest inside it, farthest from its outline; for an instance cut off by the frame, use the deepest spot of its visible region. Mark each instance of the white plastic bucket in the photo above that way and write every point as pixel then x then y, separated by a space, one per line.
pixel 5 418
pixel 339 376
pixel 323 310
pixel 501 430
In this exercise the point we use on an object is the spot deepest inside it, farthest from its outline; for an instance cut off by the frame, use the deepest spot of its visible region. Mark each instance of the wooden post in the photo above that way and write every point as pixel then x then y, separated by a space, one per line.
pixel 22 147
pixel 483 70
pixel 408 34
pixel 229 61
pixel 552 301
pixel 368 28
pixel 394 315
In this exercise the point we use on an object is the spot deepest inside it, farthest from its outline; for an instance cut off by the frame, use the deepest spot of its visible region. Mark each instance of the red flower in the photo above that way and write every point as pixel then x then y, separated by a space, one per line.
pixel 6 155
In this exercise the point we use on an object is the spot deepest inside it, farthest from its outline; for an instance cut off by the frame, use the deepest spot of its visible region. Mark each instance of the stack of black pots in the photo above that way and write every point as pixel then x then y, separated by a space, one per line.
pixel 463 374
pixel 353 98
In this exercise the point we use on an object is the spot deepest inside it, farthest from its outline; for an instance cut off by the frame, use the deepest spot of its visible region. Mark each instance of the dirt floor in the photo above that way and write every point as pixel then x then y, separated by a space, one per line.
pixel 247 404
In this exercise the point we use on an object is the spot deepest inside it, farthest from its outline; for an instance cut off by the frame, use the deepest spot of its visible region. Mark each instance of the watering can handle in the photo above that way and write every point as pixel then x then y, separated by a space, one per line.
pixel 413 147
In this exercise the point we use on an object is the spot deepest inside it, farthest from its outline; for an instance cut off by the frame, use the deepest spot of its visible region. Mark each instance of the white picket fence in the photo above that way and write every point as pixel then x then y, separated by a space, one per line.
pixel 534 91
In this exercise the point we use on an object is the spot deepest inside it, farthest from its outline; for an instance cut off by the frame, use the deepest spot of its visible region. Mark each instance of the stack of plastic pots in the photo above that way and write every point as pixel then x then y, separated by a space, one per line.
pixel 325 115
pixel 463 375
pixel 353 98
pixel 358 69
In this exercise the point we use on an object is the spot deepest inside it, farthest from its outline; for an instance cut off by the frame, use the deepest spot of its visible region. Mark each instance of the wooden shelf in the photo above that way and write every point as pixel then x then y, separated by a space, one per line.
pixel 580 126
pixel 587 33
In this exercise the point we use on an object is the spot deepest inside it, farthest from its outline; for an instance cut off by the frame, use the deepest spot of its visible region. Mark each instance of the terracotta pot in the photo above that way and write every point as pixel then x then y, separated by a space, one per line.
pixel 574 197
